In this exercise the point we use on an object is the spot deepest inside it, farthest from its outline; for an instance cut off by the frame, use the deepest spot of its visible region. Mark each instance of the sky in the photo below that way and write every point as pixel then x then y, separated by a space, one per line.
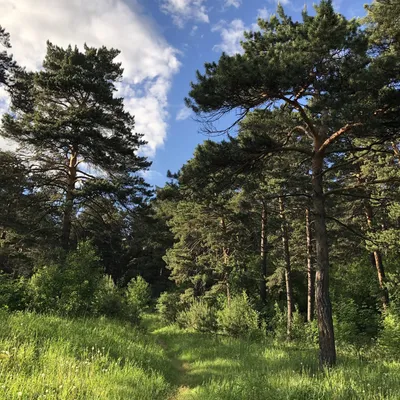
pixel 162 43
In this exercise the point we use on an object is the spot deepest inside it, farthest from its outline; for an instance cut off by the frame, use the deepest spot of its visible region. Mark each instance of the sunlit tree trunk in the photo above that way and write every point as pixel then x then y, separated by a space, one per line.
pixel 288 277
pixel 310 270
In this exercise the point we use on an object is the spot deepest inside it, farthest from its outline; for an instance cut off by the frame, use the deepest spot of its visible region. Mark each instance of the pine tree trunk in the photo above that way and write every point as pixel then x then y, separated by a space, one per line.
pixel 310 270
pixel 264 255
pixel 288 278
pixel 226 260
pixel 69 200
pixel 376 259
pixel 323 301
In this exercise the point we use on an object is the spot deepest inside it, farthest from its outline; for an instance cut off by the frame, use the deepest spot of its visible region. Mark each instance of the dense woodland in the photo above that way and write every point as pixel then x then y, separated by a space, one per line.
pixel 286 226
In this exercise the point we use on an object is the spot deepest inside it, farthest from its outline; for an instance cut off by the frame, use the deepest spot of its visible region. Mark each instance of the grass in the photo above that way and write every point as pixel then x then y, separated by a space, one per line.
pixel 48 357
pixel 222 368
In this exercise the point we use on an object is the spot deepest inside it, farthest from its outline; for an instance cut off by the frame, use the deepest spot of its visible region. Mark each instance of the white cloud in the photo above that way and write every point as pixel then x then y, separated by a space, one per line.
pixel 194 30
pixel 151 174
pixel 263 13
pixel 182 11
pixel 233 3
pixel 149 61
pixel 5 144
pixel 183 113
pixel 231 35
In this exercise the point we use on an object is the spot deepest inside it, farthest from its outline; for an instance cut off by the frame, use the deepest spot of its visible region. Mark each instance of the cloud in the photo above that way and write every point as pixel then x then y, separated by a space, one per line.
pixel 183 113
pixel 262 13
pixel 5 144
pixel 183 11
pixel 233 3
pixel 194 30
pixel 231 35
pixel 149 61
pixel 151 175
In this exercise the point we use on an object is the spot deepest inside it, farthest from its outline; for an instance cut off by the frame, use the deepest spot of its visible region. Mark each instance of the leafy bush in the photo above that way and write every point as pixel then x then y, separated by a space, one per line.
pixel 389 336
pixel 355 323
pixel 13 292
pixel 69 288
pixel 279 324
pixel 200 317
pixel 238 318
pixel 137 297
pixel 168 306
pixel 109 300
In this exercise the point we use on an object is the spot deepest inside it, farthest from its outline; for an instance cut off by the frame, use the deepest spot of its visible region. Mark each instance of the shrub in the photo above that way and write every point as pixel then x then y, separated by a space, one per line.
pixel 279 324
pixel 137 297
pixel 355 323
pixel 199 317
pixel 301 332
pixel 238 318
pixel 168 306
pixel 389 336
pixel 13 292
pixel 109 300
pixel 68 288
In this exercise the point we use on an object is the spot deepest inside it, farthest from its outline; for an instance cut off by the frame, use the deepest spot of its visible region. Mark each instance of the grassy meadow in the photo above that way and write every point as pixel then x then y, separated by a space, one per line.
pixel 48 357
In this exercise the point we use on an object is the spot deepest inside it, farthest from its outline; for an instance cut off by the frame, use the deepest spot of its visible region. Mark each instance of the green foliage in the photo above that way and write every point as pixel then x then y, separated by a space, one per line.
pixel 69 288
pixel 238 318
pixel 199 317
pixel 168 306
pixel 137 297
pixel 389 336
pixel 355 324
pixel 109 300
pixel 13 293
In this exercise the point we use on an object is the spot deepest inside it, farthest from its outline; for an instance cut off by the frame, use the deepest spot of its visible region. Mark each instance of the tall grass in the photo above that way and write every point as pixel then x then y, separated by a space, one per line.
pixel 48 357
pixel 222 368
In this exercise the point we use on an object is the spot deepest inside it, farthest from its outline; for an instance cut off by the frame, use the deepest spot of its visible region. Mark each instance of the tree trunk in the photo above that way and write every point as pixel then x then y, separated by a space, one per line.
pixel 69 200
pixel 263 254
pixel 288 278
pixel 323 301
pixel 310 270
pixel 376 260
pixel 225 255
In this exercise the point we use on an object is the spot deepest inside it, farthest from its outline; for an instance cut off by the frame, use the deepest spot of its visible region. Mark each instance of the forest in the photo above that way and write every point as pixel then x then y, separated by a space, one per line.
pixel 267 267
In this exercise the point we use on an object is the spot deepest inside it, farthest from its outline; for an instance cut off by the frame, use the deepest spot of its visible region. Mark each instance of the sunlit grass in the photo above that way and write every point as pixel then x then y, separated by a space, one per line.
pixel 49 357
pixel 222 368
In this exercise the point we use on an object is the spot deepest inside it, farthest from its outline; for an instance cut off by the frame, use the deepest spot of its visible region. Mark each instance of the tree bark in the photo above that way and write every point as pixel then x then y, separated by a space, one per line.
pixel 69 199
pixel 323 301
pixel 376 260
pixel 264 255
pixel 310 270
pixel 225 254
pixel 288 278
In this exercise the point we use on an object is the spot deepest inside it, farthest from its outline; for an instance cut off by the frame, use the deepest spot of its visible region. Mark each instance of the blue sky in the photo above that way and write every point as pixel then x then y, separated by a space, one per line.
pixel 162 43
pixel 204 43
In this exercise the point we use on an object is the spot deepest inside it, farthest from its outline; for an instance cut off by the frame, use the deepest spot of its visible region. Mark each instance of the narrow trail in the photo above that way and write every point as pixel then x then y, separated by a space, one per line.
pixel 184 375
pixel 182 371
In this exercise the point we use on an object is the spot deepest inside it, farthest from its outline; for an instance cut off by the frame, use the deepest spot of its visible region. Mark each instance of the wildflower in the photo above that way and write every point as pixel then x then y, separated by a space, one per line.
pixel 19 394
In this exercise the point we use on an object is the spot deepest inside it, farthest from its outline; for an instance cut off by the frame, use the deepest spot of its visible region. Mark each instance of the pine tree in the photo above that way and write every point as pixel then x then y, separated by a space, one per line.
pixel 79 135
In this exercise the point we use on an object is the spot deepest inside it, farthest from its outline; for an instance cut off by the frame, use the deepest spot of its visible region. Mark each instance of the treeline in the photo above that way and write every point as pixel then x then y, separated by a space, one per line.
pixel 289 226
